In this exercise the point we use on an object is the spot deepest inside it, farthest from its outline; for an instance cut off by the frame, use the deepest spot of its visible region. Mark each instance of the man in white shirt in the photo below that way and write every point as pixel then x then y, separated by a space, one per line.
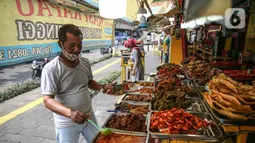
pixel 64 84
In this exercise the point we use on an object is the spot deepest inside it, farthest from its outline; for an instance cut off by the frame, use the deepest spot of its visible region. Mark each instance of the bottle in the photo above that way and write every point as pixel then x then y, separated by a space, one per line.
pixel 240 58
pixel 248 71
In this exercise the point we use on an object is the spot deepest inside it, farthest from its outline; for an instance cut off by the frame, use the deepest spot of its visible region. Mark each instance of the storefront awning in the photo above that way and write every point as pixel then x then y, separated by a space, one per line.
pixel 164 8
pixel 194 9
pixel 161 10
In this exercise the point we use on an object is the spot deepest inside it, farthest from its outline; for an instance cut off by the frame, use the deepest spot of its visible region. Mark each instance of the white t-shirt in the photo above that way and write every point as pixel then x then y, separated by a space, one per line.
pixel 69 85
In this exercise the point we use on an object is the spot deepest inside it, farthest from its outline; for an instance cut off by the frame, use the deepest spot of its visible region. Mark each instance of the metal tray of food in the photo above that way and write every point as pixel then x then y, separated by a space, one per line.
pixel 155 140
pixel 197 105
pixel 187 82
pixel 98 135
pixel 212 133
pixel 141 87
pixel 142 83
pixel 226 121
pixel 124 98
pixel 187 75
pixel 198 90
pixel 105 125
pixel 191 85
pixel 142 107
pixel 200 87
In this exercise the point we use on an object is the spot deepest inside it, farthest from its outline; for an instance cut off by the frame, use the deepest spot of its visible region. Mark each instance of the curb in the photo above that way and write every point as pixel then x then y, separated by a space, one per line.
pixel 26 86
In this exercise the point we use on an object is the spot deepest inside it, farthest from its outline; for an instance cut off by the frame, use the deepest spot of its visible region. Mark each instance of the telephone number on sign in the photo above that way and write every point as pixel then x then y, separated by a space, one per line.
pixel 20 53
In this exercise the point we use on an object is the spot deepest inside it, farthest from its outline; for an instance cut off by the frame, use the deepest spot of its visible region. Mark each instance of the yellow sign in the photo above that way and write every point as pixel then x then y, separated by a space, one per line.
pixel 29 29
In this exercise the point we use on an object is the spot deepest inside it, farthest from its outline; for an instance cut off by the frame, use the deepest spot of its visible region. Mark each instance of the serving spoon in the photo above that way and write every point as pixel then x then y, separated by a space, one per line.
pixel 103 131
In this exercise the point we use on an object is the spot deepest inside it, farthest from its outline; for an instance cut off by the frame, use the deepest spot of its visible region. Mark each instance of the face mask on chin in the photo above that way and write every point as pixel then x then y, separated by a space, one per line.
pixel 70 57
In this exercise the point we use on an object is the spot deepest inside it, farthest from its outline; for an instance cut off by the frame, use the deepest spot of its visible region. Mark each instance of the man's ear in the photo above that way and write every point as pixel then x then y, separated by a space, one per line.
pixel 60 45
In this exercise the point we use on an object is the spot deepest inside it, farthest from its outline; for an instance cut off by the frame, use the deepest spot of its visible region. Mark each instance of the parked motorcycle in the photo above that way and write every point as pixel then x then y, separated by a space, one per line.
pixel 106 50
pixel 37 67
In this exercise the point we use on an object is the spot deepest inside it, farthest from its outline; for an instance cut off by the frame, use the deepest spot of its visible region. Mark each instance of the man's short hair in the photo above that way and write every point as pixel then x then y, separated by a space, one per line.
pixel 68 28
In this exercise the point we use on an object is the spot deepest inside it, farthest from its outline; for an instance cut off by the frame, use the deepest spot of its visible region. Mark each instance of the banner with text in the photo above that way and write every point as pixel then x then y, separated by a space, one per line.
pixel 29 29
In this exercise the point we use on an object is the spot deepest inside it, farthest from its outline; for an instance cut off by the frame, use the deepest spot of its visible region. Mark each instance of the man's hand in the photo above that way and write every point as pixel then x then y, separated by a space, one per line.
pixel 78 117
pixel 108 86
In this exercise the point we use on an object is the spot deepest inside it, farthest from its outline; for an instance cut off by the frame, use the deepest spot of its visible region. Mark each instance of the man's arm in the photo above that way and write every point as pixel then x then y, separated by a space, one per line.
pixel 49 88
pixel 76 116
pixel 55 106
pixel 94 85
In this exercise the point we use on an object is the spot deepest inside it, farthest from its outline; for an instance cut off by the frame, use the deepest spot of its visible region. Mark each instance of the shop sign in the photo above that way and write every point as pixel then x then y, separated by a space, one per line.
pixel 72 3
pixel 214 28
pixel 29 29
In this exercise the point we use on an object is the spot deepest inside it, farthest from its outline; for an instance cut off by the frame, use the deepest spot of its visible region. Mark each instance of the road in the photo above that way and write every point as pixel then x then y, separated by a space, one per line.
pixel 19 73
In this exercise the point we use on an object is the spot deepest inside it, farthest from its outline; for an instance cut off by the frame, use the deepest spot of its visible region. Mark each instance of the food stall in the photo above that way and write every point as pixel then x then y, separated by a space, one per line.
pixel 229 101
pixel 191 100
pixel 146 113
pixel 227 49
pixel 182 105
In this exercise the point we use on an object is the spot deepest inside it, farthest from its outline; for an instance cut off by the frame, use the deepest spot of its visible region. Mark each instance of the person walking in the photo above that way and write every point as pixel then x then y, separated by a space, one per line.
pixel 36 69
pixel 136 58
pixel 116 42
pixel 64 84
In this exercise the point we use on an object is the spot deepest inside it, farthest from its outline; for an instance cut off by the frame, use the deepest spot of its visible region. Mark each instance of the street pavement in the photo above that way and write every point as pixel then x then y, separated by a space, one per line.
pixel 36 125
pixel 12 75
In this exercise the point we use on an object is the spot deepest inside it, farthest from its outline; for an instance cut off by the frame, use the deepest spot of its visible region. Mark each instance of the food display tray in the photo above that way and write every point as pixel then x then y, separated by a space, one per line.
pixel 187 82
pixel 196 103
pixel 134 91
pixel 135 102
pixel 192 86
pixel 123 131
pixel 142 81
pixel 139 104
pixel 212 133
pixel 199 90
pixel 194 81
pixel 187 75
pixel 94 140
pixel 199 87
pixel 226 121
